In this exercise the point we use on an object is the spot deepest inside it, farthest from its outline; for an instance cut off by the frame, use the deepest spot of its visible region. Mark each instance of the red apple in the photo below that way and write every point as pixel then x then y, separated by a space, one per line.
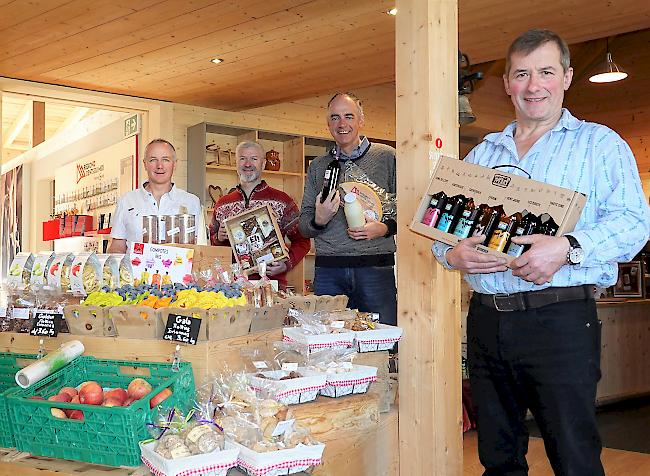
pixel 76 415
pixel 61 397
pixel 117 393
pixel 75 399
pixel 91 394
pixel 70 391
pixel 138 388
pixel 155 401
pixel 128 402
pixel 112 402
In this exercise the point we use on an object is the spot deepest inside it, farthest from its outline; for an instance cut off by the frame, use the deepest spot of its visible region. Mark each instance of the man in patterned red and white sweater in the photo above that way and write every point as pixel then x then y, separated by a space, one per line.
pixel 252 192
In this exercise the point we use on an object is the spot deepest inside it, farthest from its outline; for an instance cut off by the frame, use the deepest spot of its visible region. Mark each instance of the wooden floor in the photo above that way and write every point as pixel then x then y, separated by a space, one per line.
pixel 616 462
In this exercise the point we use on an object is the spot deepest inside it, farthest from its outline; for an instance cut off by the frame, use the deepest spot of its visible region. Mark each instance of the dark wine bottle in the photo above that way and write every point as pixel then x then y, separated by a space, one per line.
pixel 330 179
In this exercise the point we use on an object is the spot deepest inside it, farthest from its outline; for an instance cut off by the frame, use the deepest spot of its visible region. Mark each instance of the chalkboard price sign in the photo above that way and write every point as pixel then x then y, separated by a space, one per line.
pixel 46 323
pixel 183 329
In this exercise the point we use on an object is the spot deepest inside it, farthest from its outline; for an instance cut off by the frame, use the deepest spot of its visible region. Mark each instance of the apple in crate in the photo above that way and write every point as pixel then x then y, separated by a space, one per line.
pixel 91 393
pixel 155 401
pixel 76 415
pixel 70 391
pixel 138 388
pixel 117 394
pixel 112 402
pixel 57 412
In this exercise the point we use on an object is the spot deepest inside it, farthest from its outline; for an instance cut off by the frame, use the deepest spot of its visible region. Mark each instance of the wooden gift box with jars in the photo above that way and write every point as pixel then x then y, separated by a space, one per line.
pixel 255 237
pixel 465 200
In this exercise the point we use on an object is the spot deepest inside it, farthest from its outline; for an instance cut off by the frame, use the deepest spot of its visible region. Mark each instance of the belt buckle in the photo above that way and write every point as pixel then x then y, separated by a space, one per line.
pixel 496 305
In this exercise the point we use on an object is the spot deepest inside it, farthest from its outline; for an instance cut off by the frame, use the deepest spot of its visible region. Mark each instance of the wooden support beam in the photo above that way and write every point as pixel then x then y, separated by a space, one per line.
pixel 430 435
pixel 9 136
pixel 38 123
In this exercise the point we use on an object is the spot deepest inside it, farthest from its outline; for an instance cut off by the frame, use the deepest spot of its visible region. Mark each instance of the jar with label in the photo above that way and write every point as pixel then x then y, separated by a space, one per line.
pixel 451 213
pixel 503 231
pixel 172 229
pixel 149 228
pixel 527 226
pixel 468 219
pixel 488 223
pixel 432 213
pixel 187 225
pixel 353 212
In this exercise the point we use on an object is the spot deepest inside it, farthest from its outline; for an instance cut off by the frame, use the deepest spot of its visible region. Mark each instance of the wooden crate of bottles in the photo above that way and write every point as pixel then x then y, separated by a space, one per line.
pixel 465 200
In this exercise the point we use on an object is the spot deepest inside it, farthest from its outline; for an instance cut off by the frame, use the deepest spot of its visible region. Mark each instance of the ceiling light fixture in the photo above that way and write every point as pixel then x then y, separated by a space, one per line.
pixel 216 60
pixel 392 11
pixel 609 72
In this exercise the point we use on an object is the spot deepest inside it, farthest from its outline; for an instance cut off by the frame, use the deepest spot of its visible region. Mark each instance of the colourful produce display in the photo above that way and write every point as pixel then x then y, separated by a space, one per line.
pixel 169 295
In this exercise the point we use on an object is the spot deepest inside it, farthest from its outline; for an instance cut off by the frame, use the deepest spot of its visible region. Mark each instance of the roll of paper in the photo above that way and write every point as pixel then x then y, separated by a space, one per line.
pixel 49 364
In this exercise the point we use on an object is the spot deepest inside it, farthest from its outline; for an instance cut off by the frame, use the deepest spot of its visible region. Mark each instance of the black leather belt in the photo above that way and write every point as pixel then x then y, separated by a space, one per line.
pixel 535 299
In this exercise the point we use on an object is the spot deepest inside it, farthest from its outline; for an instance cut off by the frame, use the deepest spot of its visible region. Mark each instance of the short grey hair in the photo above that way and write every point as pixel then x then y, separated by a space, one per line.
pixel 530 40
pixel 249 144
pixel 160 141
pixel 351 96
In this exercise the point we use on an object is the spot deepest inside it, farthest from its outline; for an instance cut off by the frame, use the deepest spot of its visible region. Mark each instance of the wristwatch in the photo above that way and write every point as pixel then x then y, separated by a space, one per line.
pixel 576 254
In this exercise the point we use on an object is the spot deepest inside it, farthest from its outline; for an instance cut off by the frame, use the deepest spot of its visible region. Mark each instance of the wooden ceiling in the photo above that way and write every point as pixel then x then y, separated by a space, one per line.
pixel 273 50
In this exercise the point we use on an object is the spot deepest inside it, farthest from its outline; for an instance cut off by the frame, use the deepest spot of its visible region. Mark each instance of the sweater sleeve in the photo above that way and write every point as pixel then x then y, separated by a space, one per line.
pixel 308 208
pixel 217 220
pixel 300 245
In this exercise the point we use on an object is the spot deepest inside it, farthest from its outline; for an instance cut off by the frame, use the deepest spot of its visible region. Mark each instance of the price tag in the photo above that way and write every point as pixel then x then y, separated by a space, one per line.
pixel 337 324
pixel 290 366
pixel 374 316
pixel 260 364
pixel 46 323
pixel 21 312
pixel 283 426
pixel 184 329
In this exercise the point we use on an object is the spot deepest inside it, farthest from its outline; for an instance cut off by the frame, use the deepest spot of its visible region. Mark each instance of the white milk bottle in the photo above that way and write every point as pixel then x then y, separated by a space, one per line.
pixel 353 211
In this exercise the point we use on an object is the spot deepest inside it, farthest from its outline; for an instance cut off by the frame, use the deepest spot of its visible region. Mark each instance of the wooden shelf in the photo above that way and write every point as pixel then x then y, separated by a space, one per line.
pixel 230 168
pixel 293 149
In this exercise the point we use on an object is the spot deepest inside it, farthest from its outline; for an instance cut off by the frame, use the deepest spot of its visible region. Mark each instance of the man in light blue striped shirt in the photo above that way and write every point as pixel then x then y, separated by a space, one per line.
pixel 533 331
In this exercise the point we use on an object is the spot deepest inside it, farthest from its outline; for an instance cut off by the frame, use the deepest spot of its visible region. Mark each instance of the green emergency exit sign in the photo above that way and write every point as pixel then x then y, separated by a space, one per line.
pixel 131 125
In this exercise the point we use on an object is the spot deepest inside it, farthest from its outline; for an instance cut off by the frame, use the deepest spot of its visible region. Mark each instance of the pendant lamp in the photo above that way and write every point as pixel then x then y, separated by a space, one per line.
pixel 609 72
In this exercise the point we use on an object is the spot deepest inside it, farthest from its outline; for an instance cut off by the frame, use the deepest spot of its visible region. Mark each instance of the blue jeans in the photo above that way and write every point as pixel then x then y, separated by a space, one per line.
pixel 369 289
pixel 546 360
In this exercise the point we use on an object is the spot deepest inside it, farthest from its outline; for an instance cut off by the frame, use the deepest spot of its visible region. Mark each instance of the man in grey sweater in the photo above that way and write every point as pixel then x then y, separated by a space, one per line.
pixel 357 263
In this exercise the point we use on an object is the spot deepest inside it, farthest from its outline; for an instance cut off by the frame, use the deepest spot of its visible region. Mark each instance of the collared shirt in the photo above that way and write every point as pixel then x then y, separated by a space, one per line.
pixel 589 158
pixel 358 151
pixel 132 206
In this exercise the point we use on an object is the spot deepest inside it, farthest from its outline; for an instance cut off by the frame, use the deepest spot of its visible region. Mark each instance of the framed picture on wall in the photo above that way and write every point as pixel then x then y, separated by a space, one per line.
pixel 630 280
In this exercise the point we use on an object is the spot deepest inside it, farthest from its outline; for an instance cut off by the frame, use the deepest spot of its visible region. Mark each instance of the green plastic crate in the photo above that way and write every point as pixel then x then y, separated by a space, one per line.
pixel 10 363
pixel 108 435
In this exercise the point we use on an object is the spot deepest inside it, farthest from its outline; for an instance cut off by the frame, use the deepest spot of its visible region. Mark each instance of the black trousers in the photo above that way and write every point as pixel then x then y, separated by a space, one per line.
pixel 546 360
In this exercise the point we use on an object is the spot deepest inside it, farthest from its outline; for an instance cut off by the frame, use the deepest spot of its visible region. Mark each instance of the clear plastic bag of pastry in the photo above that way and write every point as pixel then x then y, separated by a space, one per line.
pixel 332 361
pixel 316 323
pixel 22 304
pixel 85 274
pixel 110 265
pixel 377 202
pixel 178 435
pixel 54 300
pixel 267 293
pixel 58 275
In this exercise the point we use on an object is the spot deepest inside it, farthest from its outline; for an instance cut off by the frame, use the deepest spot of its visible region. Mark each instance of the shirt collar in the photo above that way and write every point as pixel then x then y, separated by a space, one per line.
pixel 171 192
pixel 357 152
pixel 567 121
